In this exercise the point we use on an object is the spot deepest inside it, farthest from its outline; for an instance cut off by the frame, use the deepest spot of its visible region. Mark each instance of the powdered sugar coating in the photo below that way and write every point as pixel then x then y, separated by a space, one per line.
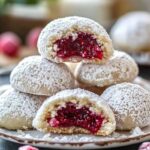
pixel 36 75
pixel 134 28
pixel 120 68
pixel 63 27
pixel 17 109
pixel 130 103
pixel 74 95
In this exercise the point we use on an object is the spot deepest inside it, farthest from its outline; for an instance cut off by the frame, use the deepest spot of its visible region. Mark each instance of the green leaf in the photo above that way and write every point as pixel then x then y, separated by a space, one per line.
pixel 30 2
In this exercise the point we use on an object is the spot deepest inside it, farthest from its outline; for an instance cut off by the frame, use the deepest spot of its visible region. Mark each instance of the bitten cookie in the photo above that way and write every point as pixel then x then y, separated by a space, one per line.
pixel 36 75
pixel 75 111
pixel 131 32
pixel 120 68
pixel 17 109
pixel 75 39
pixel 130 103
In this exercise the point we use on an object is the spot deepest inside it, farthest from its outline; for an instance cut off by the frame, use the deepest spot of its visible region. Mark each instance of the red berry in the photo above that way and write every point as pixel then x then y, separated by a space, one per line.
pixel 28 148
pixel 32 37
pixel 9 44
pixel 85 46
pixel 82 117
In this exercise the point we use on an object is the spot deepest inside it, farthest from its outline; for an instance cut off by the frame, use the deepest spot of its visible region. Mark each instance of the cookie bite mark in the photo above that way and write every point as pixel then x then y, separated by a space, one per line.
pixel 79 44
pixel 75 111
pixel 73 114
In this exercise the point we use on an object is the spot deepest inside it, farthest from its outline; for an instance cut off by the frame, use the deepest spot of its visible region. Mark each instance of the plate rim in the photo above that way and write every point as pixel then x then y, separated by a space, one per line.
pixel 123 141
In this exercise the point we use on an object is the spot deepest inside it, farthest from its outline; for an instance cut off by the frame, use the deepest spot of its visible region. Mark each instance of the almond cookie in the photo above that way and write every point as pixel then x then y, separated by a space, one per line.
pixel 132 32
pixel 75 111
pixel 120 68
pixel 130 103
pixel 36 75
pixel 17 109
pixel 75 39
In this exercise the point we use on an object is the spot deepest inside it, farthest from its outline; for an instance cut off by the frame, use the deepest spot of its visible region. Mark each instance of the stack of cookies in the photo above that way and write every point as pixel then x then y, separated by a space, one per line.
pixel 56 92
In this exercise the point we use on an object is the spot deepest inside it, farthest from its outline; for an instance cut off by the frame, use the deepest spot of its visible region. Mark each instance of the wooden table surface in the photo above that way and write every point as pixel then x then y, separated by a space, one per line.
pixel 6 145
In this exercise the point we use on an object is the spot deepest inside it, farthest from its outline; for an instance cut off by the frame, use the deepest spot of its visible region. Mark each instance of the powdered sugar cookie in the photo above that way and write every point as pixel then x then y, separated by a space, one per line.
pixel 130 103
pixel 17 109
pixel 75 39
pixel 36 75
pixel 131 32
pixel 75 111
pixel 120 68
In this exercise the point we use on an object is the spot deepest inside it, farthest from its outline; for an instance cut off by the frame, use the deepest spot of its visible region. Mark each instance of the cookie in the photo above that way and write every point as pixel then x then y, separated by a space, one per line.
pixel 130 103
pixel 131 32
pixel 36 75
pixel 17 109
pixel 120 68
pixel 75 111
pixel 75 39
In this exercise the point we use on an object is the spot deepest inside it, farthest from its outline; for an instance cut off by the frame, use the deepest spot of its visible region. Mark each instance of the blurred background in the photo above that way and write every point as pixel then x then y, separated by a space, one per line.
pixel 22 20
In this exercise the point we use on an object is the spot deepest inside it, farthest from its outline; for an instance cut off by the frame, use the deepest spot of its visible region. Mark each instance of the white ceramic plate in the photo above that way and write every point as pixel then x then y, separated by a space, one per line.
pixel 39 139
pixel 117 139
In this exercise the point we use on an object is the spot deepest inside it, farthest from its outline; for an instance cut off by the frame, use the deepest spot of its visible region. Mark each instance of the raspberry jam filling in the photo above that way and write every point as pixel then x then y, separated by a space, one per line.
pixel 84 45
pixel 72 115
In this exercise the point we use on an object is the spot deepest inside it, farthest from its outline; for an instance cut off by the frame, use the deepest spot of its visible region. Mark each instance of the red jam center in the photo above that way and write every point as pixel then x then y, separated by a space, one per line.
pixel 82 117
pixel 85 46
